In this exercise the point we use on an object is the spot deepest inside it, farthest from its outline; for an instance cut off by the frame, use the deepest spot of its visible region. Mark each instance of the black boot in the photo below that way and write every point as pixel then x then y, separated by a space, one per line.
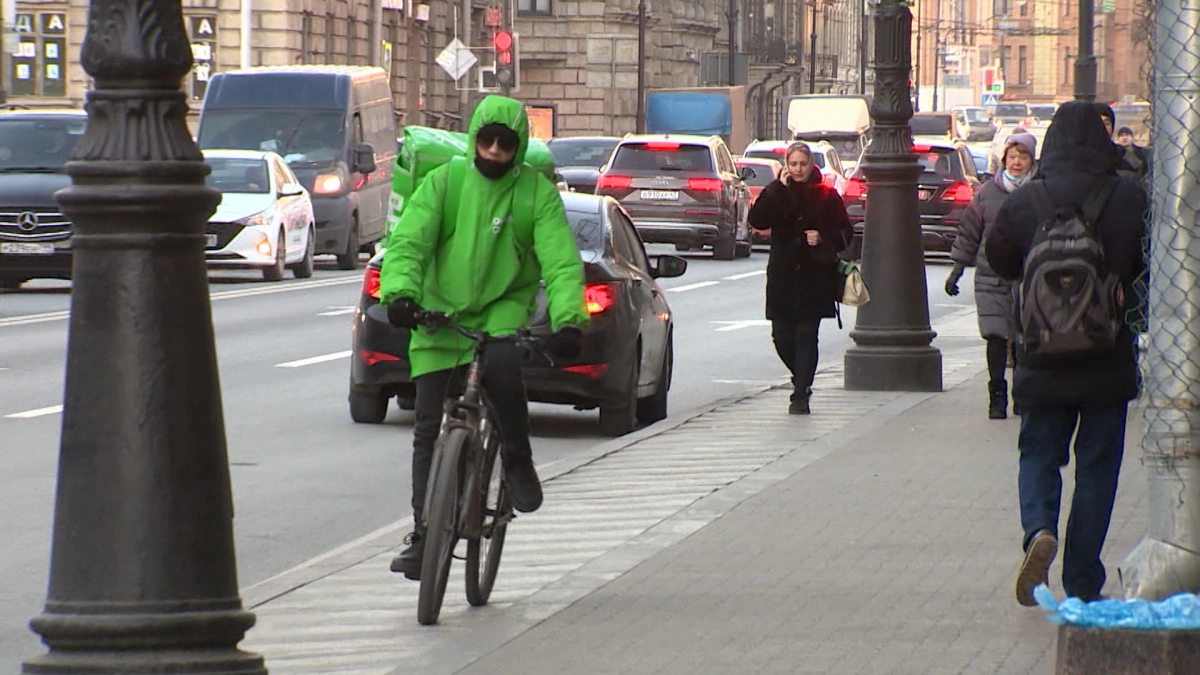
pixel 998 400
pixel 524 486
pixel 408 562
pixel 799 403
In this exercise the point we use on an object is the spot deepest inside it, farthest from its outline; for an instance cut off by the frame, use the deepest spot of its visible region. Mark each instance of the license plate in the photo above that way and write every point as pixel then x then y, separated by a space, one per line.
pixel 26 248
pixel 660 195
pixel 924 194
pixel 210 240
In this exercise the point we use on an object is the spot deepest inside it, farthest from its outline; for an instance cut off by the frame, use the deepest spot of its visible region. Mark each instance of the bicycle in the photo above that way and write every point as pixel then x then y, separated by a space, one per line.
pixel 466 497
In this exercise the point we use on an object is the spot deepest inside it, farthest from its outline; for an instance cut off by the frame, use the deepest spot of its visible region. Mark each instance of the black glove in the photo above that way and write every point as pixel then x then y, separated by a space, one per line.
pixel 952 280
pixel 565 343
pixel 403 312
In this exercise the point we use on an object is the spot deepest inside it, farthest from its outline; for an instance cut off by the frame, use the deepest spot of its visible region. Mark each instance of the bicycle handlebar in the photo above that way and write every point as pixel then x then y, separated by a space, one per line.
pixel 435 320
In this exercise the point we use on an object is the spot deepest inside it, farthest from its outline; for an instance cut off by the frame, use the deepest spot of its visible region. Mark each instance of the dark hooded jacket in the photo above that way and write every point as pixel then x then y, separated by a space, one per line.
pixel 802 280
pixel 1076 156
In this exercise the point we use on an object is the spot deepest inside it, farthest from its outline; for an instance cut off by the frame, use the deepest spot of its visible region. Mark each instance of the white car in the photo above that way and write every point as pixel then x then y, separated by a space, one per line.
pixel 265 219
pixel 824 154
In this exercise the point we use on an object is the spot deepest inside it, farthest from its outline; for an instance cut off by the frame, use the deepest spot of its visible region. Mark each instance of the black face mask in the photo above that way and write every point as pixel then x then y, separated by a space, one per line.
pixel 492 169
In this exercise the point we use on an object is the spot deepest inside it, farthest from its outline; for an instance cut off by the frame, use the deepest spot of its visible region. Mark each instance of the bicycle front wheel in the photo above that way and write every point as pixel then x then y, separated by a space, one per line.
pixel 441 518
pixel 483 554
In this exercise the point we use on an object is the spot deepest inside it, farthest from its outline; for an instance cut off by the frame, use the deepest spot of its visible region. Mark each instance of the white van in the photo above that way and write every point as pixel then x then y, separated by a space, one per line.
pixel 842 121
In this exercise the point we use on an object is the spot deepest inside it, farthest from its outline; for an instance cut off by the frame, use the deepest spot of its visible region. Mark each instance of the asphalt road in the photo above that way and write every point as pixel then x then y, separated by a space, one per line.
pixel 306 479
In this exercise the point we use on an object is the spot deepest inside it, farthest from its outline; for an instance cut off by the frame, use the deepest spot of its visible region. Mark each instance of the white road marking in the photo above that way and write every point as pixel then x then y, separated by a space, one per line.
pixel 29 319
pixel 739 325
pixel 337 311
pixel 315 359
pixel 692 287
pixel 745 275
pixel 751 382
pixel 39 412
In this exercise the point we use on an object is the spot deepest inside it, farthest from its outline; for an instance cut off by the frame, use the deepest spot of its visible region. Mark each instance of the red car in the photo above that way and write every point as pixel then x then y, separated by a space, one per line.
pixel 758 173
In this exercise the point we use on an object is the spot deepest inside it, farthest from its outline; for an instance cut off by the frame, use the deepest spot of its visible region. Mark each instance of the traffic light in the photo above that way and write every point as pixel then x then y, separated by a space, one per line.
pixel 506 59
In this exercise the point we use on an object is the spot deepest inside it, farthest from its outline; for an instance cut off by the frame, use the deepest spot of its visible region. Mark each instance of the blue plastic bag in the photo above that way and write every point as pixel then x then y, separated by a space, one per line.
pixel 1178 612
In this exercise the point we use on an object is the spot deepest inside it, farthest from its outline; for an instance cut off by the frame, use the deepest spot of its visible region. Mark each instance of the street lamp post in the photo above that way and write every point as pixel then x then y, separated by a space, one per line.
pixel 1085 63
pixel 641 73
pixel 893 350
pixel 812 50
pixel 732 15
pixel 143 577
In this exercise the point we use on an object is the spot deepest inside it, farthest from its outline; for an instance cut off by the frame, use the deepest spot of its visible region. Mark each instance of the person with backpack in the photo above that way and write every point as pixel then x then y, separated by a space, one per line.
pixel 475 239
pixel 809 228
pixel 1072 238
pixel 993 295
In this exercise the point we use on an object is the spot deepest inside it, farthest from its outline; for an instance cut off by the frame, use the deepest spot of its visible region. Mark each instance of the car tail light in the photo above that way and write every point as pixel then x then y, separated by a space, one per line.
pixel 781 150
pixel 613 182
pixel 599 297
pixel 662 146
pixel 593 370
pixel 855 189
pixel 921 147
pixel 828 180
pixel 958 193
pixel 371 282
pixel 705 184
pixel 371 357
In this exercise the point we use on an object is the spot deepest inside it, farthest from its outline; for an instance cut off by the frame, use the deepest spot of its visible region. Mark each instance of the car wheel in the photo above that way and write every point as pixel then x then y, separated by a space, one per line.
pixel 725 249
pixel 654 408
pixel 348 260
pixel 304 268
pixel 620 417
pixel 368 407
pixel 743 249
pixel 275 272
pixel 407 401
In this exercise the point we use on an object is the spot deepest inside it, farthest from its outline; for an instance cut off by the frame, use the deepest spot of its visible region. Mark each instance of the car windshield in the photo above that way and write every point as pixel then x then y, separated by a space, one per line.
pixel 931 125
pixel 249 176
pixel 303 138
pixel 1011 110
pixel 663 156
pixel 42 145
pixel 588 230
pixel 757 174
pixel 940 162
pixel 1042 112
pixel 818 158
pixel 569 152
pixel 976 115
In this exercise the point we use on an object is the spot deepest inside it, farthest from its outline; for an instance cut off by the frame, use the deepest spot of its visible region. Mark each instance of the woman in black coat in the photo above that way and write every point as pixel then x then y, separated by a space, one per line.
pixel 809 227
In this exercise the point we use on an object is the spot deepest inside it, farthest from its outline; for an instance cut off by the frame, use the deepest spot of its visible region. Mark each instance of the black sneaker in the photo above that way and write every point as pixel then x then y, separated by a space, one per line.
pixel 408 562
pixel 799 407
pixel 1035 568
pixel 524 487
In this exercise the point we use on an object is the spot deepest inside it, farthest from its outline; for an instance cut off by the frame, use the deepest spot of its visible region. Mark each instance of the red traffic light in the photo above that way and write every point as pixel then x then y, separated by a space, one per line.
pixel 504 58
pixel 502 41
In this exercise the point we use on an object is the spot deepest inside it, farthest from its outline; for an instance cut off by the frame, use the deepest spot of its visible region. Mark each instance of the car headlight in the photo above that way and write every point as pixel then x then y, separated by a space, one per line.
pixel 329 183
pixel 256 219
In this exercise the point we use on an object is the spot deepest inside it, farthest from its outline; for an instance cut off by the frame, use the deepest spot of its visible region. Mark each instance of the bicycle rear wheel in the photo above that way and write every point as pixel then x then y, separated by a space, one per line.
pixel 483 554
pixel 441 517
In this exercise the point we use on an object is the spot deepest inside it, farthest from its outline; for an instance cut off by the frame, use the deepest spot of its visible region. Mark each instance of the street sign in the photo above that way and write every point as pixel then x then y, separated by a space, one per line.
pixel 990 99
pixel 456 59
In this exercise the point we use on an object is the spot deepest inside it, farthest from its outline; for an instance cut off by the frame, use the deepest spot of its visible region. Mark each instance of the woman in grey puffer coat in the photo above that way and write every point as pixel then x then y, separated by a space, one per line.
pixel 993 296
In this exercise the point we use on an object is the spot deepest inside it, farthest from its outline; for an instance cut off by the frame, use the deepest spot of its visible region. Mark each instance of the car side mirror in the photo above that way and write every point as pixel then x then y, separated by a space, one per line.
pixel 745 173
pixel 364 158
pixel 291 190
pixel 668 266
pixel 986 177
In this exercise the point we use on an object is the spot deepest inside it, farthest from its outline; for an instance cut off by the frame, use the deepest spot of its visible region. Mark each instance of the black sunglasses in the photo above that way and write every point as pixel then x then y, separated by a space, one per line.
pixel 508 141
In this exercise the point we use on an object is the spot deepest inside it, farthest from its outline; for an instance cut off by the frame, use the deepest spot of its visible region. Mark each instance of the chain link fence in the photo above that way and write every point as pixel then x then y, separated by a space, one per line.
pixel 1167 560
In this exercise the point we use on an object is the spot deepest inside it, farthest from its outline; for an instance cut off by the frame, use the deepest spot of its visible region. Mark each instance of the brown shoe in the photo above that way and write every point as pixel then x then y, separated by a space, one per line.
pixel 1035 568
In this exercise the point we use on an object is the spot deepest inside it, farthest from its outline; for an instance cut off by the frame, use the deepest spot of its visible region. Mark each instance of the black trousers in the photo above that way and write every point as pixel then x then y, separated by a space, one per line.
pixel 998 351
pixel 796 344
pixel 505 392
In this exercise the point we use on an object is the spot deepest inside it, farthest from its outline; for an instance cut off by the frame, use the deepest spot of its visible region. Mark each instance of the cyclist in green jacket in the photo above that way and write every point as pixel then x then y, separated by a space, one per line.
pixel 477 250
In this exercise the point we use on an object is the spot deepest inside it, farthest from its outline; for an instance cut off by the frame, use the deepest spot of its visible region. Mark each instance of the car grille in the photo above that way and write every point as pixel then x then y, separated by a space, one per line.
pixel 34 225
pixel 225 233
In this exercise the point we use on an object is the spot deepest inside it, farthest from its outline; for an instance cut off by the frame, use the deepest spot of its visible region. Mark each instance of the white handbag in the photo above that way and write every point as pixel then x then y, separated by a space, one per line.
pixel 854 289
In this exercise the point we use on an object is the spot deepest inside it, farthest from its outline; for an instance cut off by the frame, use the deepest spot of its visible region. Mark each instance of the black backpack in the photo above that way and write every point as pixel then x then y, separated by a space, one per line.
pixel 1068 304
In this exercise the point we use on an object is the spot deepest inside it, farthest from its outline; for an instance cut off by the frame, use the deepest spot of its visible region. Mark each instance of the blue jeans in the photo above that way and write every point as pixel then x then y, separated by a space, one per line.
pixel 1045 444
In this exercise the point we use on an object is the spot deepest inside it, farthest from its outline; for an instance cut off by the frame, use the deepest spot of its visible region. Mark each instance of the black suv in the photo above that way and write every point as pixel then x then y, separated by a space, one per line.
pixel 947 184
pixel 682 190
pixel 34 234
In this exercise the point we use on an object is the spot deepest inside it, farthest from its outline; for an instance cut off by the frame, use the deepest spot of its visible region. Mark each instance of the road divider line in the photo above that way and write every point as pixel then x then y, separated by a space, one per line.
pixel 692 287
pixel 314 360
pixel 745 275
pixel 39 412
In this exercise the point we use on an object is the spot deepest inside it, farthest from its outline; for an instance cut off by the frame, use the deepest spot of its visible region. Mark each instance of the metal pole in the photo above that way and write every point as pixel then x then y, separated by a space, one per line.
pixel 7 7
pixel 937 49
pixel 375 53
pixel 464 95
pixel 640 123
pixel 917 71
pixel 732 16
pixel 247 10
pixel 892 336
pixel 862 50
pixel 812 51
pixel 1167 560
pixel 143 576
pixel 1085 63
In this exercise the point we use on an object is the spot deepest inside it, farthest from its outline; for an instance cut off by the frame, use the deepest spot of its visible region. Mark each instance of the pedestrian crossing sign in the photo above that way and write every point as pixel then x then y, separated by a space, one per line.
pixel 989 98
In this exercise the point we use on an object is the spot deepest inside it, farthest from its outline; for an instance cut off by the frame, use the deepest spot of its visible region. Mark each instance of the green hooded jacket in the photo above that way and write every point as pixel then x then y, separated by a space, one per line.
pixel 484 268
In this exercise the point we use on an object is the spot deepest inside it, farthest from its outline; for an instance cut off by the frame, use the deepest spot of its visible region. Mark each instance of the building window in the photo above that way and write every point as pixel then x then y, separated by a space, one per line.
pixel 39 63
pixel 1021 65
pixel 1067 58
pixel 534 6
pixel 1024 8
